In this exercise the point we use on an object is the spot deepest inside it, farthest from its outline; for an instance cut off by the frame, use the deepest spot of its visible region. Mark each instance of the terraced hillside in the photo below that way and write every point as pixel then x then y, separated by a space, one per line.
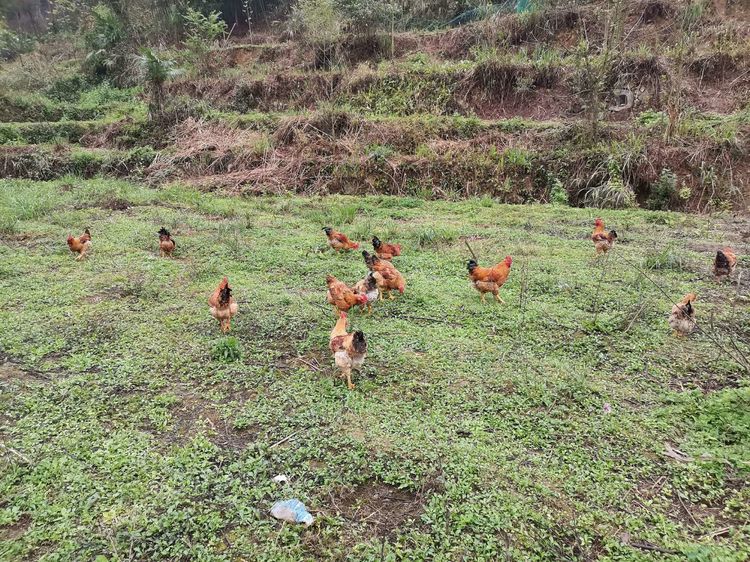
pixel 515 107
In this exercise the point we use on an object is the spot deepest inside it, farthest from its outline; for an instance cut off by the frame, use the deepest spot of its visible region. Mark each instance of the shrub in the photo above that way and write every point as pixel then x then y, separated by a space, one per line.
pixel 68 88
pixel 365 16
pixel 434 237
pixel 202 33
pixel 558 195
pixel 105 41
pixel 613 194
pixel 12 44
pixel 227 350
pixel 663 191
pixel 379 152
pixel 668 258
pixel 156 71
pixel 321 24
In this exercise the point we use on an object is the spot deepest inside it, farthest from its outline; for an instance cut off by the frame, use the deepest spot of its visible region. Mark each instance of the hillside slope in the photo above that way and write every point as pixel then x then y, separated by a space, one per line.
pixel 513 107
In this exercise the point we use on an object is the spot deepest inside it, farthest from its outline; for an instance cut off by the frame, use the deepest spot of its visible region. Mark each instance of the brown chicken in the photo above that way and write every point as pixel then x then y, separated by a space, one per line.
pixel 384 250
pixel 341 296
pixel 338 240
pixel 682 319
pixel 603 240
pixel 222 305
pixel 490 279
pixel 387 277
pixel 349 350
pixel 724 263
pixel 166 243
pixel 368 287
pixel 80 245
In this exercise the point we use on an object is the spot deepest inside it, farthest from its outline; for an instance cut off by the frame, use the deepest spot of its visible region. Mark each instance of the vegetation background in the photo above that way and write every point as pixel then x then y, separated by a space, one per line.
pixel 566 425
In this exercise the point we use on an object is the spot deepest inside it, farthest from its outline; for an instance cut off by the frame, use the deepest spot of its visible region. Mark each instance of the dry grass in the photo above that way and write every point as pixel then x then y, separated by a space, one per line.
pixel 204 148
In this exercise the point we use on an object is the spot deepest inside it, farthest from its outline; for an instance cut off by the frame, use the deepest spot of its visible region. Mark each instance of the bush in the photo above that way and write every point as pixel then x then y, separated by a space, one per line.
pixel 156 71
pixel 12 44
pixel 321 24
pixel 663 191
pixel 68 89
pixel 105 41
pixel 379 152
pixel 668 258
pixel 202 33
pixel 558 195
pixel 363 16
pixel 614 194
pixel 227 350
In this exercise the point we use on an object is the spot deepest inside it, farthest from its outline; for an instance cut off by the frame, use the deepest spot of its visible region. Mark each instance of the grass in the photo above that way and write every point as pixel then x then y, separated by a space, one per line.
pixel 476 432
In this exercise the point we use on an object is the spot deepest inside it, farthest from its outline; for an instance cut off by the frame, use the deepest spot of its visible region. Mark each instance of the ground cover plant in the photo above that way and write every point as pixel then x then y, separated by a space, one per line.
pixel 566 424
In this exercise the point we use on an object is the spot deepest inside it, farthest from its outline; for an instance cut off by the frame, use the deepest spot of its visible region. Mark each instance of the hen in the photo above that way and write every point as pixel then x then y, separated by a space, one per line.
pixel 386 276
pixel 341 296
pixel 603 240
pixel 349 350
pixel 80 245
pixel 166 243
pixel 339 241
pixel 384 250
pixel 682 319
pixel 222 305
pixel 724 263
pixel 489 279
pixel 368 287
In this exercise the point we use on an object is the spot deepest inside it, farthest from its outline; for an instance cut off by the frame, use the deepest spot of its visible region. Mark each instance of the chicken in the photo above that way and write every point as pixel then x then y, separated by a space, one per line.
pixel 339 241
pixel 341 296
pixel 724 263
pixel 368 287
pixel 222 305
pixel 603 240
pixel 349 350
pixel 489 279
pixel 384 250
pixel 80 245
pixel 166 243
pixel 386 276
pixel 682 319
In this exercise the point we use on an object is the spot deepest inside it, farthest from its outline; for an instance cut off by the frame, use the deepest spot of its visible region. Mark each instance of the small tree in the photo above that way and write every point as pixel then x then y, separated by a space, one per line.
pixel 105 40
pixel 203 31
pixel 321 24
pixel 156 71
pixel 366 16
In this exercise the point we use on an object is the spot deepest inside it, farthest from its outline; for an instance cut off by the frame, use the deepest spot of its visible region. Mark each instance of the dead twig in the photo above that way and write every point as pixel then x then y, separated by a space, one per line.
pixel 720 532
pixel 636 316
pixel 473 255
pixel 285 439
pixel 690 514
pixel 652 547
pixel 20 455
pixel 313 367
pixel 676 454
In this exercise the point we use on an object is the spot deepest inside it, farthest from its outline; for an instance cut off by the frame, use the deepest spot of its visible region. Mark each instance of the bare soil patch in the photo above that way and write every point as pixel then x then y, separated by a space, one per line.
pixel 15 530
pixel 193 415
pixel 380 508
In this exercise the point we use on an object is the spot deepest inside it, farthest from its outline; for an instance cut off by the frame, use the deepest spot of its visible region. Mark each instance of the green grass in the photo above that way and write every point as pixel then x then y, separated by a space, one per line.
pixel 141 432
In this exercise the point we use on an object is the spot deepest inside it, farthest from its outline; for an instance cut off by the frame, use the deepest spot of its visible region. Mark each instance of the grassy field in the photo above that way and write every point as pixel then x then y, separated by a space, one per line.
pixel 533 430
